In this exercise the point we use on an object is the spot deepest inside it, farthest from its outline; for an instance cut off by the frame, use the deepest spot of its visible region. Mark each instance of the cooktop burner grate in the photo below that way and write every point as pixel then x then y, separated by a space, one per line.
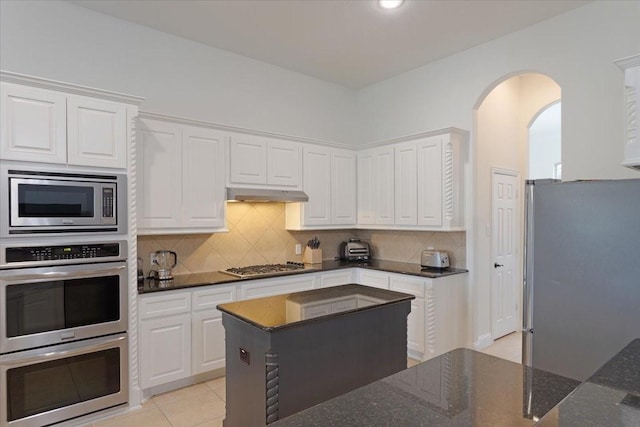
pixel 264 270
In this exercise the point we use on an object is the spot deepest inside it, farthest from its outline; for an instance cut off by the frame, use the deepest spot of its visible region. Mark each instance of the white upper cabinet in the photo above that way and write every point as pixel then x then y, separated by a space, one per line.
pixel 376 192
pixel 33 124
pixel 283 163
pixel 263 161
pixel 406 183
pixel 429 162
pixel 417 184
pixel 329 179
pixel 631 67
pixel 42 125
pixel 343 187
pixel 159 174
pixel 203 167
pixel 317 185
pixel 96 132
pixel 181 172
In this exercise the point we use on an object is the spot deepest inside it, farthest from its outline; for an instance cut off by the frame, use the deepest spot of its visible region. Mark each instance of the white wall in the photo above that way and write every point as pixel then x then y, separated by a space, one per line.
pixel 62 41
pixel 501 142
pixel 576 49
pixel 545 143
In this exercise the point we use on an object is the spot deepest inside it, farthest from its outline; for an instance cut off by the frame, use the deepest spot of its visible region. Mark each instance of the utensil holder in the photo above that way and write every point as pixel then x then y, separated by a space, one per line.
pixel 312 256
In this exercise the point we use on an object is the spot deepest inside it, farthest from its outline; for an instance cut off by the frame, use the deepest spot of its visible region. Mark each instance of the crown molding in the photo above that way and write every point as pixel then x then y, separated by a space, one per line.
pixel 23 79
pixel 451 130
pixel 227 128
pixel 628 62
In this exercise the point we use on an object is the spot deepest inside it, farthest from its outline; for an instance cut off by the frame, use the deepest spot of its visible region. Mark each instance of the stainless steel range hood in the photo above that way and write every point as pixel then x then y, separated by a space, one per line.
pixel 263 195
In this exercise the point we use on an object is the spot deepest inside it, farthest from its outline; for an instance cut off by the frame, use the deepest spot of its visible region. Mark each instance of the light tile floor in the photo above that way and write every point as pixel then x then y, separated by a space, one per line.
pixel 203 405
pixel 508 347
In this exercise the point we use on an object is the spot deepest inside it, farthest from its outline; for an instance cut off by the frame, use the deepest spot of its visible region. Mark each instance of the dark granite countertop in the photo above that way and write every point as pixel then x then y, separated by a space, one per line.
pixel 460 388
pixel 279 312
pixel 610 397
pixel 217 278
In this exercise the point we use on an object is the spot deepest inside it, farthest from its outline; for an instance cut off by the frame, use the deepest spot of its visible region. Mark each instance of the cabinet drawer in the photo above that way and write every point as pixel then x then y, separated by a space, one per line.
pixel 272 287
pixel 210 298
pixel 336 279
pixel 408 285
pixel 376 280
pixel 164 305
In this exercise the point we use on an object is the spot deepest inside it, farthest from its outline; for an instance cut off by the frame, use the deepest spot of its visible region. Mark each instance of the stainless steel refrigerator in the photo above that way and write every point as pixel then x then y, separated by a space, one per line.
pixel 582 273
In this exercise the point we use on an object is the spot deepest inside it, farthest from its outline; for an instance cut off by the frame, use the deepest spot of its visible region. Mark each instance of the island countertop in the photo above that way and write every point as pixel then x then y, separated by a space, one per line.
pixel 467 388
pixel 269 313
pixel 460 388
pixel 217 278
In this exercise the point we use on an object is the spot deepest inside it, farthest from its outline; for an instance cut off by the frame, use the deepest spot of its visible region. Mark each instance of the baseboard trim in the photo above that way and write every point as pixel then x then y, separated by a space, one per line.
pixel 483 341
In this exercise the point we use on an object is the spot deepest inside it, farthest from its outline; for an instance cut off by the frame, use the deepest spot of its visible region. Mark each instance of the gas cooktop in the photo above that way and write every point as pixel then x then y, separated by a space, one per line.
pixel 264 270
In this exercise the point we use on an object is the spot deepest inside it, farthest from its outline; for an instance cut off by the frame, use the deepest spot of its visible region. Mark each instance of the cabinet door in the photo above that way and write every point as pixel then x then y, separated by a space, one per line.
pixel 248 159
pixel 366 189
pixel 406 197
pixel 165 349
pixel 343 187
pixel 34 126
pixel 203 177
pixel 317 185
pixel 284 163
pixel 208 340
pixel 430 181
pixel 384 186
pixel 96 132
pixel 159 174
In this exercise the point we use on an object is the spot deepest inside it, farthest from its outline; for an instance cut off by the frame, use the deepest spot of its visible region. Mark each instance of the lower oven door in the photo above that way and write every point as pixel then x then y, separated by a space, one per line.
pixel 52 305
pixel 52 384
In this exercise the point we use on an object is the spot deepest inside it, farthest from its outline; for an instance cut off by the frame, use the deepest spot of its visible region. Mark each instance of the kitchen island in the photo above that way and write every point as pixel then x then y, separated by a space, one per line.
pixel 288 352
pixel 467 388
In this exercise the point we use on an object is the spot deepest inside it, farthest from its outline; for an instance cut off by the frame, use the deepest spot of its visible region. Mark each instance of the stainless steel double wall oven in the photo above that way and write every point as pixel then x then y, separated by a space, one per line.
pixel 63 296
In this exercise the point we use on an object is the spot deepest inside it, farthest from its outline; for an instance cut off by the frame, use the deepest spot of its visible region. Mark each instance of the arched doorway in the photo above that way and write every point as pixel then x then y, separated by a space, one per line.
pixel 503 116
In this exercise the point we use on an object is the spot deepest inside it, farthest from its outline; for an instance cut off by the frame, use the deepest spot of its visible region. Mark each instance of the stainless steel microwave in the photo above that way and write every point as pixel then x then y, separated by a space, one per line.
pixel 52 202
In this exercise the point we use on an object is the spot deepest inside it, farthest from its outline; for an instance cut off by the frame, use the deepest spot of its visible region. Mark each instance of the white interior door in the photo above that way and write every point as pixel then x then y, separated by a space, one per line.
pixel 504 244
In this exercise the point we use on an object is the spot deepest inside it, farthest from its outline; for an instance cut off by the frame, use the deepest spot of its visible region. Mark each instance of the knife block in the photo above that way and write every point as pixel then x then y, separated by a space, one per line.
pixel 312 256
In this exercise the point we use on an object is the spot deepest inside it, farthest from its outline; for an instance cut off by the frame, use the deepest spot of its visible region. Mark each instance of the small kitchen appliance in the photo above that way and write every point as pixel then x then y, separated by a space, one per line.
pixel 354 250
pixel 165 261
pixel 434 259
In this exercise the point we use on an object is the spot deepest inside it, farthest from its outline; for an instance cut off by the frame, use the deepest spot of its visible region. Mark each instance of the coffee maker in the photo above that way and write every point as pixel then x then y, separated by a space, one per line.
pixel 165 261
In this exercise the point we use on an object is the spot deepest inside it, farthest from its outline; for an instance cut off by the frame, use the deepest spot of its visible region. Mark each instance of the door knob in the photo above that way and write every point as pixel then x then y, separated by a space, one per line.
pixel 496 265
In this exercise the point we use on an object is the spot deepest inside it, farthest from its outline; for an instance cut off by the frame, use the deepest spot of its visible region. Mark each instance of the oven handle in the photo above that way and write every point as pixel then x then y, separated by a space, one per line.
pixel 77 348
pixel 89 272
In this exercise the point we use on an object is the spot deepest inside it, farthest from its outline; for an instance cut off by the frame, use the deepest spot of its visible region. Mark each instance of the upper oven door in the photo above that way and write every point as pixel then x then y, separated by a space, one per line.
pixel 52 305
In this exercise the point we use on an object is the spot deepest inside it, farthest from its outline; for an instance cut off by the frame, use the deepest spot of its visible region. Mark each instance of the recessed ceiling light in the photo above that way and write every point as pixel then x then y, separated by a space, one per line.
pixel 390 4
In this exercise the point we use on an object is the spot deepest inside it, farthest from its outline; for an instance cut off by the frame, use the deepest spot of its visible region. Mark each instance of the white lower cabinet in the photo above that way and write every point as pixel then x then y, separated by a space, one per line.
pixel 165 338
pixel 181 332
pixel 207 332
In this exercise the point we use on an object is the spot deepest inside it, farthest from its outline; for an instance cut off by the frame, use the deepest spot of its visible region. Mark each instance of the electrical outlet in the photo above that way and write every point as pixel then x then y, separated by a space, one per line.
pixel 298 249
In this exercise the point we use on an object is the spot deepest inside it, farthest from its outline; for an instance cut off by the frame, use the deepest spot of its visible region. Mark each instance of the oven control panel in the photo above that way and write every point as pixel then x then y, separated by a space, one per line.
pixel 62 252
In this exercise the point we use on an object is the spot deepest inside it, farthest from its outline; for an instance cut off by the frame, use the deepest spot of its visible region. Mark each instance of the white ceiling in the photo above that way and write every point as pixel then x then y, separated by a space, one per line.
pixel 350 42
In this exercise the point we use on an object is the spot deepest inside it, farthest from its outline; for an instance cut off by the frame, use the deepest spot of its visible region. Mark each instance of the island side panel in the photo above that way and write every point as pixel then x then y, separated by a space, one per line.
pixel 324 359
pixel 245 382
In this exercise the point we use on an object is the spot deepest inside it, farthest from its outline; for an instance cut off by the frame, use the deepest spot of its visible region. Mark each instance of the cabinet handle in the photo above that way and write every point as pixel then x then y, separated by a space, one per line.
pixel 496 265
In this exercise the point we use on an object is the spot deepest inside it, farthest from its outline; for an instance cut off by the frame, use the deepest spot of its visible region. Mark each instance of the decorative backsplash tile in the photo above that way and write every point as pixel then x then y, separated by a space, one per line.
pixel 257 235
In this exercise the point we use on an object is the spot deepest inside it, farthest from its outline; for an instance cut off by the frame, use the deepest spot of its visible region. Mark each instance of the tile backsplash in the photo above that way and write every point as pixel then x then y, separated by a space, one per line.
pixel 257 235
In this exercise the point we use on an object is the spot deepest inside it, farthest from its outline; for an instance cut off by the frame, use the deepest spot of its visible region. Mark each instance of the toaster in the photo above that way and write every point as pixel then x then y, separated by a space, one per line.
pixel 434 259
pixel 355 250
